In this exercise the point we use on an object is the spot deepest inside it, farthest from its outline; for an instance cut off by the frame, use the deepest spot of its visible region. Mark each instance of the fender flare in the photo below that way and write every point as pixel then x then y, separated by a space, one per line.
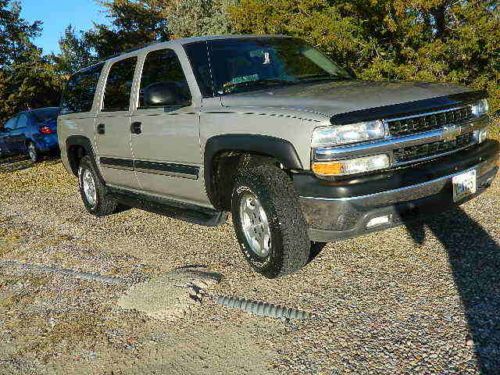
pixel 80 140
pixel 278 148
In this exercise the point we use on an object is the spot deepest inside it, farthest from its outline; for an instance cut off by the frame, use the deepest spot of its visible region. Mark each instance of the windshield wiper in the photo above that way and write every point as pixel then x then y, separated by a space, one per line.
pixel 323 77
pixel 231 87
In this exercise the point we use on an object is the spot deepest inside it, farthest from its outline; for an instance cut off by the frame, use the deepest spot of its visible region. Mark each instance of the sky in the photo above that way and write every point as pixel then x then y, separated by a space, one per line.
pixel 57 15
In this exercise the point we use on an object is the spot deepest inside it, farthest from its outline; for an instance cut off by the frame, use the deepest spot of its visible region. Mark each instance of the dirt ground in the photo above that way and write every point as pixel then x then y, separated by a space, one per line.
pixel 423 299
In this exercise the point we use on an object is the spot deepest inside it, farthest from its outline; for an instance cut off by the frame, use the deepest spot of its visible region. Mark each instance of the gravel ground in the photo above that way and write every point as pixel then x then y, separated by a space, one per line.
pixel 423 299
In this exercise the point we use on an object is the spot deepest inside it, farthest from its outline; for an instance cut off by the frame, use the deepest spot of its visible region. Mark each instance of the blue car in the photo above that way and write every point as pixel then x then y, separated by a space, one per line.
pixel 32 132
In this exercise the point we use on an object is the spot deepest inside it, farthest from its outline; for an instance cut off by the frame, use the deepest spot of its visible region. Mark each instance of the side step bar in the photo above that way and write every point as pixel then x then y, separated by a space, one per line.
pixel 166 207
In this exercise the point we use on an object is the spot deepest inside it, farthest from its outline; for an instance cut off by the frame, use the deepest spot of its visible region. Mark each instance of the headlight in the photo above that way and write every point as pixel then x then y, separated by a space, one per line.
pixel 345 134
pixel 480 108
pixel 351 166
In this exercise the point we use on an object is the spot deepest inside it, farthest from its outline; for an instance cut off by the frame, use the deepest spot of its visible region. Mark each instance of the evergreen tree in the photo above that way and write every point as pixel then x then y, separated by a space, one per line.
pixel 27 79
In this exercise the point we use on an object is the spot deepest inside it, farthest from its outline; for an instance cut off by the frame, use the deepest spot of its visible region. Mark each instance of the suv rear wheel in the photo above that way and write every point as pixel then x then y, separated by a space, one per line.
pixel 268 221
pixel 94 195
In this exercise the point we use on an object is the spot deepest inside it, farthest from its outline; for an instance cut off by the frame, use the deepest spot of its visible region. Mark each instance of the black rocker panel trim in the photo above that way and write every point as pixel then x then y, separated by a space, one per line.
pixel 278 148
pixel 166 207
pixel 408 108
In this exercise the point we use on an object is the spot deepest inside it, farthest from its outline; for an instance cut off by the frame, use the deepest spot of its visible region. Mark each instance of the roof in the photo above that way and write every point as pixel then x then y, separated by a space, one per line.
pixel 223 37
pixel 183 41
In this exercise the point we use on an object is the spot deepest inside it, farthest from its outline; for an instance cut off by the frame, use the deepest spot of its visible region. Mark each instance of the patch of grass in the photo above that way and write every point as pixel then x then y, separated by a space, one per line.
pixel 495 129
pixel 9 239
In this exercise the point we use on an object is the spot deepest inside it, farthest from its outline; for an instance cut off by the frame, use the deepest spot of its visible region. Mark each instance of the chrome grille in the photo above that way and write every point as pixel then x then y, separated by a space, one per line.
pixel 407 154
pixel 425 122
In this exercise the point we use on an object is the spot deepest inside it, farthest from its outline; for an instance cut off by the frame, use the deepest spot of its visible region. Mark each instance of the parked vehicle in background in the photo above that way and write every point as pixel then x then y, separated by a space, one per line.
pixel 272 130
pixel 32 132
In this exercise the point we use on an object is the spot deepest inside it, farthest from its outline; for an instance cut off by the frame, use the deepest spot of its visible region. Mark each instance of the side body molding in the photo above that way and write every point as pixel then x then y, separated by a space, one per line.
pixel 277 148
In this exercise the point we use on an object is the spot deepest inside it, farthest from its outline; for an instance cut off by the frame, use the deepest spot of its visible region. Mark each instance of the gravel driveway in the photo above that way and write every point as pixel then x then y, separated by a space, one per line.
pixel 423 299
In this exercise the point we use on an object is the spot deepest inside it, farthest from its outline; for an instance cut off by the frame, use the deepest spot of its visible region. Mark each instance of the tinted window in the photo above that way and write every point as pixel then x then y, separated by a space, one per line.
pixel 46 114
pixel 23 121
pixel 11 124
pixel 161 67
pixel 119 85
pixel 198 57
pixel 80 91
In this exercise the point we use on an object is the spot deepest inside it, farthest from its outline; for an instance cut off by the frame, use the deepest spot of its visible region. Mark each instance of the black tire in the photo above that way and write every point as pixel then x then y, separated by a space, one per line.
pixel 289 244
pixel 104 203
pixel 33 152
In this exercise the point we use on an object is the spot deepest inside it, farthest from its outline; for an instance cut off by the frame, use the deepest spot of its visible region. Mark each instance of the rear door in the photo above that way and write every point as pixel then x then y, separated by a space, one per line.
pixel 113 126
pixel 167 147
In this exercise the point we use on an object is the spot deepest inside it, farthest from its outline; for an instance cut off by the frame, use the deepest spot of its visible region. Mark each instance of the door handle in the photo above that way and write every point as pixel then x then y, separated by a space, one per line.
pixel 136 128
pixel 101 129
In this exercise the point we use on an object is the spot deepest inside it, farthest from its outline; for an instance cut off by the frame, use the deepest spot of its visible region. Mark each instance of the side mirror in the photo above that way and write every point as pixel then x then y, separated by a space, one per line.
pixel 164 94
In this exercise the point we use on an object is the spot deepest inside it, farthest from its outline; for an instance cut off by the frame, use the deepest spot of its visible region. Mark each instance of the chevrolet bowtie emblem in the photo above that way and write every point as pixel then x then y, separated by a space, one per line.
pixel 451 132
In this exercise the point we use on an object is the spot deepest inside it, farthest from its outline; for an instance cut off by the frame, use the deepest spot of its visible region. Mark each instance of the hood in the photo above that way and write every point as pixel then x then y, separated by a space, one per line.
pixel 337 98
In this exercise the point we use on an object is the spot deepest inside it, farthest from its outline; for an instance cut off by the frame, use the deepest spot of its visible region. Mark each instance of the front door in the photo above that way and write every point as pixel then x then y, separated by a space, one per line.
pixel 166 142
pixel 112 126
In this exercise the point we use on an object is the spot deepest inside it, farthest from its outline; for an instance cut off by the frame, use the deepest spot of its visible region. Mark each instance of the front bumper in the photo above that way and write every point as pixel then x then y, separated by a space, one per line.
pixel 342 209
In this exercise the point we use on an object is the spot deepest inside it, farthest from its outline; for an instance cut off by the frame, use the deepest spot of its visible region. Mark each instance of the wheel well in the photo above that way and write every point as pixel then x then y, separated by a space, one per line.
pixel 75 154
pixel 225 166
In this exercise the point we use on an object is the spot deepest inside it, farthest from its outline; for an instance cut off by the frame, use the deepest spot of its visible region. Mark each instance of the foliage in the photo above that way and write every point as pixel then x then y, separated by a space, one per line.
pixel 199 17
pixel 76 53
pixel 27 79
pixel 428 40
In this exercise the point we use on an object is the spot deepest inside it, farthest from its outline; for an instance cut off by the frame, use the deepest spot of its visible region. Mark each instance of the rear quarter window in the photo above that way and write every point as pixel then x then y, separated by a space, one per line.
pixel 80 90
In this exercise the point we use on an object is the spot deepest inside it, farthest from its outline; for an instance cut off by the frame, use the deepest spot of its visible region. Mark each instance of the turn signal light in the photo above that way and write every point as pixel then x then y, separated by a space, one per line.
pixel 351 166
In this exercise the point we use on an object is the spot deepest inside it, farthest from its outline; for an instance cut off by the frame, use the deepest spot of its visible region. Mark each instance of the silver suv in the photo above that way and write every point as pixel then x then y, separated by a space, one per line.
pixel 269 128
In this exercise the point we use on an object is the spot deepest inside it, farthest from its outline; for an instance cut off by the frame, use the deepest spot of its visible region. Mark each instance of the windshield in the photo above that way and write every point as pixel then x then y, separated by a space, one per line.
pixel 247 64
pixel 46 114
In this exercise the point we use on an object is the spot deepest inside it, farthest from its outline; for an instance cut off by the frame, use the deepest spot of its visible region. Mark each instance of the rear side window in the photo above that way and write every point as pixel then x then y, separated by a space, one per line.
pixel 119 85
pixel 198 57
pixel 23 121
pixel 80 91
pixel 160 67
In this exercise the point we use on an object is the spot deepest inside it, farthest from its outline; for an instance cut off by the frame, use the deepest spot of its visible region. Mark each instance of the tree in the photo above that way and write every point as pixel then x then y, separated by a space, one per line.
pixel 133 24
pixel 75 54
pixel 188 18
pixel 27 79
pixel 431 40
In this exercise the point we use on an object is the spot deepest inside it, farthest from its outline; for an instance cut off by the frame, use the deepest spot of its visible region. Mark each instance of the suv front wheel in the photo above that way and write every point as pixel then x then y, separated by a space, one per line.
pixel 94 195
pixel 268 221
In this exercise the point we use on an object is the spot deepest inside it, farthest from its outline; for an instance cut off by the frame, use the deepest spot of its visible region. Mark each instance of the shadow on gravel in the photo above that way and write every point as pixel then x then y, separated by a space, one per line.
pixel 19 163
pixel 474 258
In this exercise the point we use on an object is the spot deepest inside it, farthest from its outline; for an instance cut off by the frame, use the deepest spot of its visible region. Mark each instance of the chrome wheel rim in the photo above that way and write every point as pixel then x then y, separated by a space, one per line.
pixel 32 151
pixel 89 189
pixel 255 224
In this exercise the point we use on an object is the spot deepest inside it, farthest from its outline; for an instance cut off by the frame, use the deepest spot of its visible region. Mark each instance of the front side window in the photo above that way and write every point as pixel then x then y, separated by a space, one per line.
pixel 163 67
pixel 80 90
pixel 254 63
pixel 119 85
pixel 197 53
